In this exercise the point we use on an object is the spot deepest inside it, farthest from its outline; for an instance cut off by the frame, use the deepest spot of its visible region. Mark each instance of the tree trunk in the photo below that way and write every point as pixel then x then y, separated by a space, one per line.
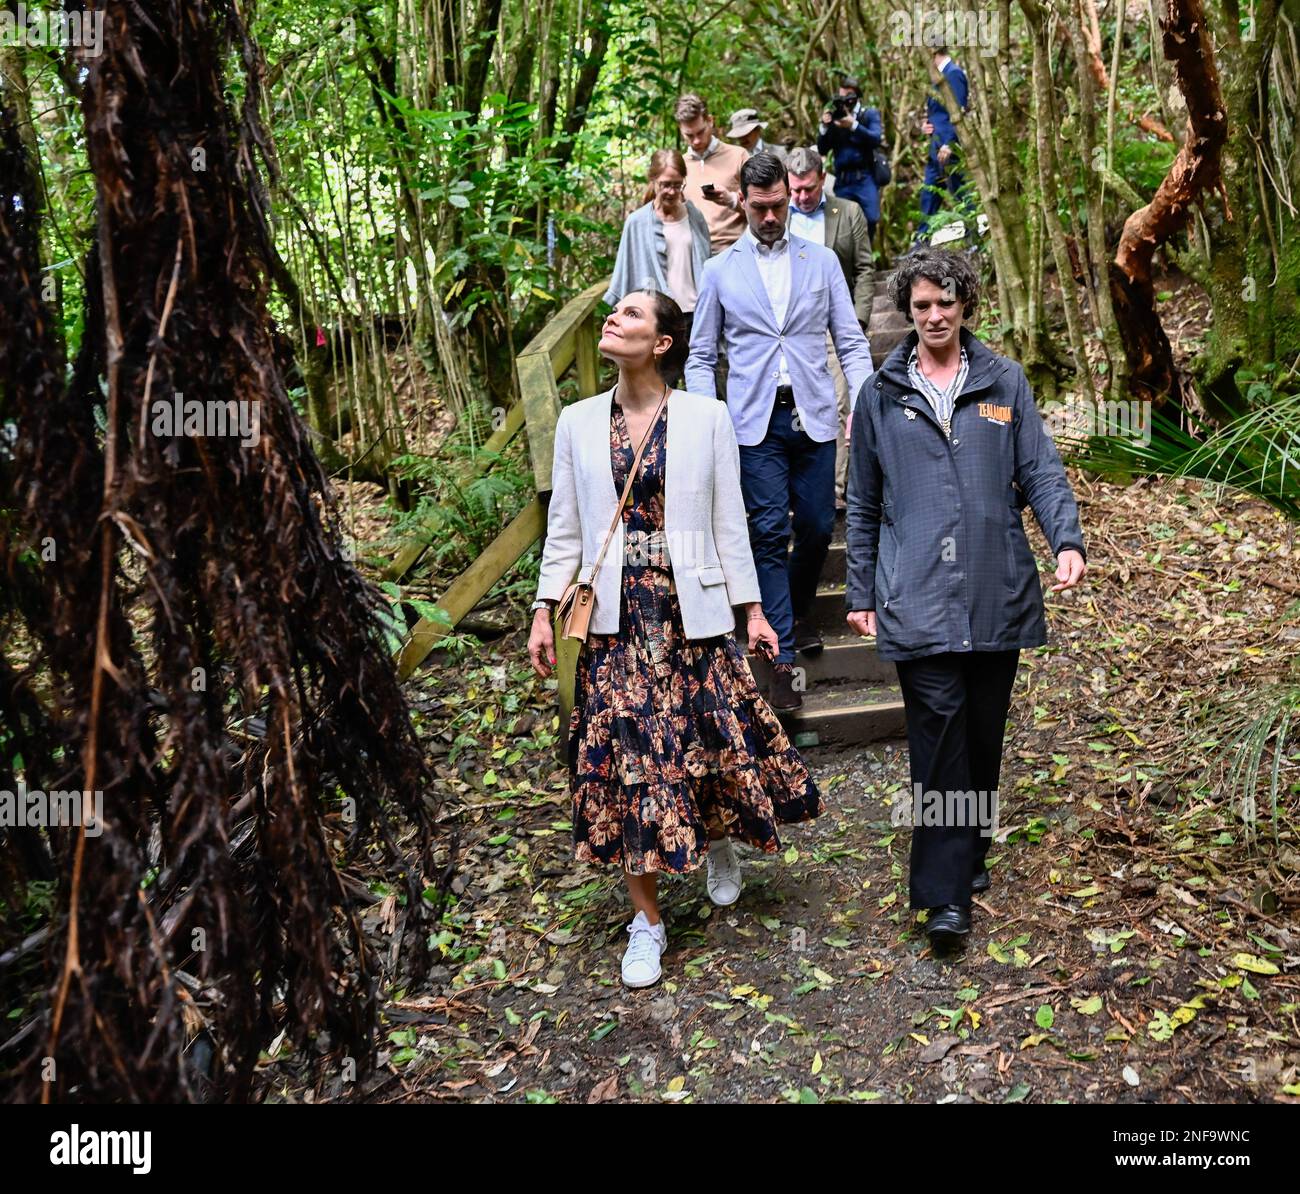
pixel 1254 276
pixel 989 152
pixel 1045 131
pixel 1187 44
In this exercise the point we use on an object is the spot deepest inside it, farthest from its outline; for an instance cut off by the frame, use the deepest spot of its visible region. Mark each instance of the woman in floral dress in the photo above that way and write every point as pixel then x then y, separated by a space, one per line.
pixel 672 750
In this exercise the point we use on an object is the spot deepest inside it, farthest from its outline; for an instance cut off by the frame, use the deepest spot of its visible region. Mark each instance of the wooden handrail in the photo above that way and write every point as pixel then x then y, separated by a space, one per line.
pixel 569 338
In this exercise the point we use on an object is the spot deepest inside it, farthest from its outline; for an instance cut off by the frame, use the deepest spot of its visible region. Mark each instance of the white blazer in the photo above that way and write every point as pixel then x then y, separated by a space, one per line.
pixel 705 527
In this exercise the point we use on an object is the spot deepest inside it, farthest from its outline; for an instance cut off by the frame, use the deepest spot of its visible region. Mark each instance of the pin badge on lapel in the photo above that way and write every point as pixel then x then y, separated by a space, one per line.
pixel 911 414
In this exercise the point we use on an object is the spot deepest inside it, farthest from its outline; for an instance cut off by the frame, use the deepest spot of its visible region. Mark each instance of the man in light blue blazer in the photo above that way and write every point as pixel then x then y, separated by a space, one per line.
pixel 771 298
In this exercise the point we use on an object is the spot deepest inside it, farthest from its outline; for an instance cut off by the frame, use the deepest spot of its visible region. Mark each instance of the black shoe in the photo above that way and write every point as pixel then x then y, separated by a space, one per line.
pixel 807 639
pixel 782 694
pixel 947 924
pixel 981 881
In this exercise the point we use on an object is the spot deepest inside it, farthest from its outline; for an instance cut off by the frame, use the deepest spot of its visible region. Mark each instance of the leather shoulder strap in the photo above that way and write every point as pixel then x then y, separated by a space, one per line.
pixel 627 487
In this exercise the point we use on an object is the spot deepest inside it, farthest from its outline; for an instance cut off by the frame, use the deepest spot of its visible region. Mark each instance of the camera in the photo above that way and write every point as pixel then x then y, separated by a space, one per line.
pixel 841 106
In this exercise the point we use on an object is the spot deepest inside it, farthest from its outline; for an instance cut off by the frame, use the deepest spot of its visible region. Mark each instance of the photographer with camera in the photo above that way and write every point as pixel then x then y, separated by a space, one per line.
pixel 853 134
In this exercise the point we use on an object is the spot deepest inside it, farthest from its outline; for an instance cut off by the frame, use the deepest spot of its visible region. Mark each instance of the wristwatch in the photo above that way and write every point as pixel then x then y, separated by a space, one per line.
pixel 540 603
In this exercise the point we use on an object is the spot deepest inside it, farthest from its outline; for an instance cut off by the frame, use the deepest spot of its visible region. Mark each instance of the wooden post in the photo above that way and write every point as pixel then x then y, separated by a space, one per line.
pixel 541 402
pixel 585 355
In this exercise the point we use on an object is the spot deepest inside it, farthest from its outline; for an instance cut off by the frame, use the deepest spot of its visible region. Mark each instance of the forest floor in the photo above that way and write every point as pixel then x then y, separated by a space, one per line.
pixel 1137 943
pixel 1140 942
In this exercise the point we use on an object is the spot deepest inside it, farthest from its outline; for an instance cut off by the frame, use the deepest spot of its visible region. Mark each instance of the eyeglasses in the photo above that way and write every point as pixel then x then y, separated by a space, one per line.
pixel 670 186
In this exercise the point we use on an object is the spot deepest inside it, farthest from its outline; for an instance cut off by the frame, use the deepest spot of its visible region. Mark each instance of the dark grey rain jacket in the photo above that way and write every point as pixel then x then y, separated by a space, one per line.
pixel 936 545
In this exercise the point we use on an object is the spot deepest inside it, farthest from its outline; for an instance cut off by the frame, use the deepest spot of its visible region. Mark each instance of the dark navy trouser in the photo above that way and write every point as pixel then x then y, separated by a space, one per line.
pixel 788 473
pixel 937 178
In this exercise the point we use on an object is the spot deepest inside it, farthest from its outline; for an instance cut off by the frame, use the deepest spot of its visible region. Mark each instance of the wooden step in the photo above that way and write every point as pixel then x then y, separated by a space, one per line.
pixel 835 570
pixel 829 611
pixel 845 659
pixel 851 695
pixel 883 344
pixel 845 715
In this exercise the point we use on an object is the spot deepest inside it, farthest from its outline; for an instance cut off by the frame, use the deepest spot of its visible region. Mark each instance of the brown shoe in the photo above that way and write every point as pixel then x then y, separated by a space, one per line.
pixel 783 695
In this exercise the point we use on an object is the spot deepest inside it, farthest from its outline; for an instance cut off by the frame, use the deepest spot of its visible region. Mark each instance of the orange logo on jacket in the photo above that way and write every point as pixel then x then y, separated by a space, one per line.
pixel 999 414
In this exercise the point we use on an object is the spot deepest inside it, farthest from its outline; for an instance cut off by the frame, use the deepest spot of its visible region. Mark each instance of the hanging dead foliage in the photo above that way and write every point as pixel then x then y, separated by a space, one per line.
pixel 195 641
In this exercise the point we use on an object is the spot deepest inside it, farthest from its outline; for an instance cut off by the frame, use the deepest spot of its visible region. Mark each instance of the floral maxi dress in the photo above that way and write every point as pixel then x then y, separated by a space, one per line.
pixel 670 737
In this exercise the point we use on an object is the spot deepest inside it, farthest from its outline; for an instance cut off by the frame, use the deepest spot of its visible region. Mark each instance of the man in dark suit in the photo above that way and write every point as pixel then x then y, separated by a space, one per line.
pixel 853 137
pixel 941 167
pixel 841 227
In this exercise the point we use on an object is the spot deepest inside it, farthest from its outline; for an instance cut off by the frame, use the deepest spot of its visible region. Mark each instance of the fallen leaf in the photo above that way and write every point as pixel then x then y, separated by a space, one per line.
pixel 938 1048
pixel 1253 964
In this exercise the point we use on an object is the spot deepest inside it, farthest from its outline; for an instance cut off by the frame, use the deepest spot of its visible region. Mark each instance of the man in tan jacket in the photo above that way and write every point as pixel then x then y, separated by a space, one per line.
pixel 839 225
pixel 712 173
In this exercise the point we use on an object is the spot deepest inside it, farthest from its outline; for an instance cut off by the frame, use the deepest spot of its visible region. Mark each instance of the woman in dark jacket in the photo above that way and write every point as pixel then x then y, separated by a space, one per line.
pixel 946 449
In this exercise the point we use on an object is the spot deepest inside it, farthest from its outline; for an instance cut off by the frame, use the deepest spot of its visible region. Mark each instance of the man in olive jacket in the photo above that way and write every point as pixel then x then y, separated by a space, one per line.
pixel 947 448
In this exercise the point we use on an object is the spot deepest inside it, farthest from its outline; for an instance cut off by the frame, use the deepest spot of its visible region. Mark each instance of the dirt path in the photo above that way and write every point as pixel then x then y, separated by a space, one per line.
pixel 1121 954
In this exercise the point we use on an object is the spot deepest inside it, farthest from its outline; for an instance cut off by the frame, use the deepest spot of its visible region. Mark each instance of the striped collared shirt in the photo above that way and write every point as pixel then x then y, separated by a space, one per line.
pixel 941 402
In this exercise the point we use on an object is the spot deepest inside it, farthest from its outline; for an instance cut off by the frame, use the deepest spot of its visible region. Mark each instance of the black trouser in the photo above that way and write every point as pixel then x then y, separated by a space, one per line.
pixel 956 716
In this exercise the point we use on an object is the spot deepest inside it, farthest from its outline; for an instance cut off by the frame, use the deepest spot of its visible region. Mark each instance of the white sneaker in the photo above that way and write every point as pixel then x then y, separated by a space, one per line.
pixel 641 959
pixel 724 873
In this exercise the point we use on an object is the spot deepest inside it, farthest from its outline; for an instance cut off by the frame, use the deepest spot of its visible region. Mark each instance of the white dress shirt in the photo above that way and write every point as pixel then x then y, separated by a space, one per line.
pixel 774 269
pixel 810 225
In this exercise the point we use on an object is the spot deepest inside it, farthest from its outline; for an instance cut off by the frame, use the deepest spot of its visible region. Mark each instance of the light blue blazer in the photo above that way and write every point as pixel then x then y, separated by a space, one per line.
pixel 733 306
